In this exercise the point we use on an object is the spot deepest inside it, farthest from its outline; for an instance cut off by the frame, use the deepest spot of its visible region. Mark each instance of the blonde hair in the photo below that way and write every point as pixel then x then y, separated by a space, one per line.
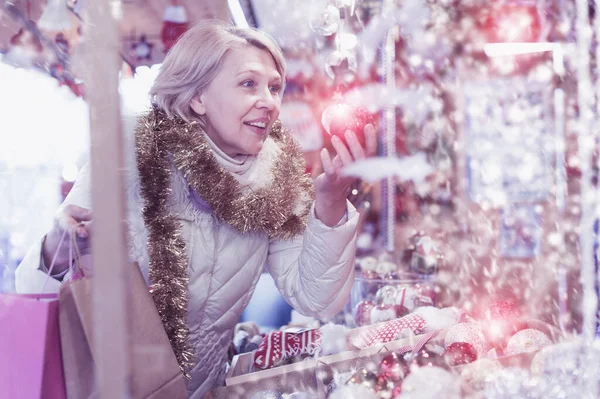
pixel 195 59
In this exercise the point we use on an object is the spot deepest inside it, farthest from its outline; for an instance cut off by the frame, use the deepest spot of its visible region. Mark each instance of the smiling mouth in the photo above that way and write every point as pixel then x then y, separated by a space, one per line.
pixel 260 125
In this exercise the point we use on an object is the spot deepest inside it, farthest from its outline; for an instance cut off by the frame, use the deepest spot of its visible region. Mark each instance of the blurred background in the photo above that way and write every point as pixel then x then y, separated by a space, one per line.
pixel 488 95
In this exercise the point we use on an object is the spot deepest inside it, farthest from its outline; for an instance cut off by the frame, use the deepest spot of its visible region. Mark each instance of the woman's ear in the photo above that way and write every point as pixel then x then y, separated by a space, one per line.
pixel 197 105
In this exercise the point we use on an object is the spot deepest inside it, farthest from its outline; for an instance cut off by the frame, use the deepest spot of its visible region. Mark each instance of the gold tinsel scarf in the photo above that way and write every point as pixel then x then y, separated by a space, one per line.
pixel 280 209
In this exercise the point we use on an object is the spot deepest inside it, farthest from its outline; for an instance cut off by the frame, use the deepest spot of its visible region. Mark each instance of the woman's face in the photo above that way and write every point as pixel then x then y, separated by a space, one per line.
pixel 242 101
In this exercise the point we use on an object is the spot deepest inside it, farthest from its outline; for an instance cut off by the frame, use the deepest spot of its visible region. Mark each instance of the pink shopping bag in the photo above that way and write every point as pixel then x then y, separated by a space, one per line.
pixel 30 353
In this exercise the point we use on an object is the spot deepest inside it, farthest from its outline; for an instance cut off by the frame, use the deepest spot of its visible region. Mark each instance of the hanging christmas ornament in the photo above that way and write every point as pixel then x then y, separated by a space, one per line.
pixel 425 257
pixel 142 50
pixel 325 21
pixel 56 16
pixel 341 66
pixel 337 119
pixel 175 23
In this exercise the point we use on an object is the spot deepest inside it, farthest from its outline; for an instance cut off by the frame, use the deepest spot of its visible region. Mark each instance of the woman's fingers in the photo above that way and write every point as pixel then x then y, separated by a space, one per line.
pixel 328 166
pixel 342 150
pixel 72 217
pixel 78 213
pixel 354 145
pixel 370 140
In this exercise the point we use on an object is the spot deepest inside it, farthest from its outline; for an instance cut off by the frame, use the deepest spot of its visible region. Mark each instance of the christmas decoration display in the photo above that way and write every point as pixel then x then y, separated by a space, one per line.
pixel 337 119
pixel 391 287
pixel 175 23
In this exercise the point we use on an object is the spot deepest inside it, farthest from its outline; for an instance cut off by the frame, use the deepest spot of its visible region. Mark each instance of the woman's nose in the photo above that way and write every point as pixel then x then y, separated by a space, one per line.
pixel 267 100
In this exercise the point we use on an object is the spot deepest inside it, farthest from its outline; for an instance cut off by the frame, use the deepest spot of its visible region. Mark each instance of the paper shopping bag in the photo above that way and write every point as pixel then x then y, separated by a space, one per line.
pixel 30 353
pixel 154 369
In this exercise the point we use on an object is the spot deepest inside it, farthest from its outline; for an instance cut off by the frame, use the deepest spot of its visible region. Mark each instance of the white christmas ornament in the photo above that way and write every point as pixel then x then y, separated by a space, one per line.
pixel 470 333
pixel 368 263
pixel 327 21
pixel 406 296
pixel 527 340
pixel 341 64
pixel 384 267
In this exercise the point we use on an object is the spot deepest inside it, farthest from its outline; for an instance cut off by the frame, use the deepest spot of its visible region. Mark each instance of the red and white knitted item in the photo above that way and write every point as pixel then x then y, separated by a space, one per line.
pixel 279 346
pixel 389 331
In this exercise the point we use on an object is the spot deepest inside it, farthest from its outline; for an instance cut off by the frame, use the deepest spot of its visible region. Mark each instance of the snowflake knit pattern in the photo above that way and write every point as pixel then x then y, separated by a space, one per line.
pixel 279 346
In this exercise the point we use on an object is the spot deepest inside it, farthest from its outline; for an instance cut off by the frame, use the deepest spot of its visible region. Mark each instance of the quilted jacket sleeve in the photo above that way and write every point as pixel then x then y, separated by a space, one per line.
pixel 315 271
pixel 30 275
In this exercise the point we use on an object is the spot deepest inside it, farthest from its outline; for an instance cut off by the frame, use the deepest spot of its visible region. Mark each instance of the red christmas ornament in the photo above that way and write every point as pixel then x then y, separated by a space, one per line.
pixel 392 368
pixel 401 311
pixel 460 353
pixel 175 23
pixel 500 321
pixel 339 118
pixel 504 310
pixel 430 355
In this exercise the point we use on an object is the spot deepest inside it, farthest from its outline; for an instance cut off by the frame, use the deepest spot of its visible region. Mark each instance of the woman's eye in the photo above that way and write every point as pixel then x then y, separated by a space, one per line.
pixel 248 83
pixel 276 89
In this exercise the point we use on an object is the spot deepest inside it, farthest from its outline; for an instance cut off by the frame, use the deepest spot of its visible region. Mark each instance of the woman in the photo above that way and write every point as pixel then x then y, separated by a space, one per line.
pixel 218 194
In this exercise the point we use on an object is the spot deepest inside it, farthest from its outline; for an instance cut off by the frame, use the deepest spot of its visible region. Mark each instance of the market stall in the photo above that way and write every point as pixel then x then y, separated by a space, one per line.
pixel 475 261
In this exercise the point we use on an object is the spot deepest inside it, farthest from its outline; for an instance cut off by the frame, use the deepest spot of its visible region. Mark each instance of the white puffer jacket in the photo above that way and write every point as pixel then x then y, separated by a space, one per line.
pixel 314 272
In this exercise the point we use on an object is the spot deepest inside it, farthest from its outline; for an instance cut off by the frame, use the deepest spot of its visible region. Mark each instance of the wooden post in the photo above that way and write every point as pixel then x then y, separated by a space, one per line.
pixel 109 245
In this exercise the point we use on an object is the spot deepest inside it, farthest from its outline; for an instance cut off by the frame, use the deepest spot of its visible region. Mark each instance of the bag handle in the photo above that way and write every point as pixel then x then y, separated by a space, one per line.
pixel 73 260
